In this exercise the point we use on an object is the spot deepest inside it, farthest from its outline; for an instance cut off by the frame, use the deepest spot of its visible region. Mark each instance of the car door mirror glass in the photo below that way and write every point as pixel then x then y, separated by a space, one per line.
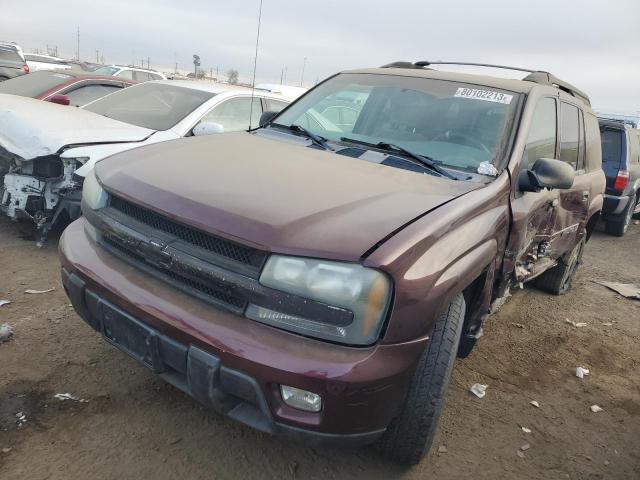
pixel 266 117
pixel 546 173
pixel 207 128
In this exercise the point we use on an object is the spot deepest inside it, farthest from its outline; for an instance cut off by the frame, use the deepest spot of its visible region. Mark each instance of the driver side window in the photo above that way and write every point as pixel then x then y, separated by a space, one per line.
pixel 233 114
pixel 541 142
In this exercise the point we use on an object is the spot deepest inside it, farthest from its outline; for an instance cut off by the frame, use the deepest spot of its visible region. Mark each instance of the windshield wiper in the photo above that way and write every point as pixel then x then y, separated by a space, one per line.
pixel 315 139
pixel 423 160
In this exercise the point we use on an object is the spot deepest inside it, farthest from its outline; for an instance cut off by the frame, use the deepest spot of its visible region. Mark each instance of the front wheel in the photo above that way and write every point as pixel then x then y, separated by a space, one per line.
pixel 559 279
pixel 411 433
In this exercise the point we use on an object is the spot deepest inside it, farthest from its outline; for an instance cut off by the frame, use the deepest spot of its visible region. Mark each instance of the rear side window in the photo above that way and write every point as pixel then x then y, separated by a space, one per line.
pixel 634 147
pixel 141 76
pixel 89 93
pixel 541 142
pixel 236 114
pixel 569 134
pixel 128 74
pixel 274 105
pixel 611 145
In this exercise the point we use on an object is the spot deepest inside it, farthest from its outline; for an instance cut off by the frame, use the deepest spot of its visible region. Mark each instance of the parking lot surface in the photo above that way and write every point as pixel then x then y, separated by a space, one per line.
pixel 134 425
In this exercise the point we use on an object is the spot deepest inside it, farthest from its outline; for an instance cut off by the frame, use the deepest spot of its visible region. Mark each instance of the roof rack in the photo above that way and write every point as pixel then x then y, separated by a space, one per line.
pixel 536 76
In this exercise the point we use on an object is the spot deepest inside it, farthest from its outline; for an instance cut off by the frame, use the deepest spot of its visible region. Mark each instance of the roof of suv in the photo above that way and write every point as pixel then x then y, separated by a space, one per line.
pixel 525 85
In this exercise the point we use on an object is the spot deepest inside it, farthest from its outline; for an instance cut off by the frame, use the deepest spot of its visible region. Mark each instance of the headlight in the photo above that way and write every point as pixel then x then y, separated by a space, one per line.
pixel 93 195
pixel 364 291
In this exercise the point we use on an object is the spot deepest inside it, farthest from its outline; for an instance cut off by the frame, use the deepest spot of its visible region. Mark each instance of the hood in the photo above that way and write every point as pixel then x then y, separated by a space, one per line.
pixel 32 128
pixel 275 195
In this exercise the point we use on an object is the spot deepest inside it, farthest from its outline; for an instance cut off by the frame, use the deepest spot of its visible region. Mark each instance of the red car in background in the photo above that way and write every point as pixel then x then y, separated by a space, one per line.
pixel 65 87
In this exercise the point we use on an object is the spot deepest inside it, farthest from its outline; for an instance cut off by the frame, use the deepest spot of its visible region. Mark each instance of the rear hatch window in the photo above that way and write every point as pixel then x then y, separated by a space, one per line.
pixel 613 152
pixel 34 84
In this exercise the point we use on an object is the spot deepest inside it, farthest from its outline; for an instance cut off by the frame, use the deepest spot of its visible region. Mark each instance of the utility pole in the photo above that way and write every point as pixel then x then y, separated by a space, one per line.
pixel 175 71
pixel 211 72
pixel 148 64
pixel 281 75
pixel 102 59
pixel 97 56
pixel 78 51
pixel 217 76
pixel 304 64
pixel 285 74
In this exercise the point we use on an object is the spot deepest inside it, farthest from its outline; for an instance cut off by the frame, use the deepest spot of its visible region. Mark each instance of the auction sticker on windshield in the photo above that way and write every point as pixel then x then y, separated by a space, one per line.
pixel 486 95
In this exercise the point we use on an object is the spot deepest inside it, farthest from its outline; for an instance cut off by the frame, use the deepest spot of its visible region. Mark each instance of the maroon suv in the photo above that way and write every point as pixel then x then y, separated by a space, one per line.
pixel 318 276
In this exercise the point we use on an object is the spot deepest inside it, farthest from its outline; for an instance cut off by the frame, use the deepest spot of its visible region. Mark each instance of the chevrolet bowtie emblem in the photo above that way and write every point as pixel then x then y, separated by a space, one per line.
pixel 155 253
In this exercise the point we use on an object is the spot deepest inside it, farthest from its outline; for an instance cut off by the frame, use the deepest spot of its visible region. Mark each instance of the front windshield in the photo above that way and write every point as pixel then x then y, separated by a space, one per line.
pixel 457 125
pixel 151 105
pixel 106 70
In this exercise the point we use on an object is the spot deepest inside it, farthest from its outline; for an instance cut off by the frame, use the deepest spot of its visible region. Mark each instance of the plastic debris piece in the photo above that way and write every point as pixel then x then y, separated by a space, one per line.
pixel 535 403
pixel 6 332
pixel 31 291
pixel 4 302
pixel 521 454
pixel 581 324
pixel 581 372
pixel 486 168
pixel 519 325
pixel 479 390
pixel 6 449
pixel 627 290
pixel 68 396
pixel 595 408
pixel 442 449
pixel 521 285
pixel 577 325
pixel 526 430
pixel 525 447
pixel 21 418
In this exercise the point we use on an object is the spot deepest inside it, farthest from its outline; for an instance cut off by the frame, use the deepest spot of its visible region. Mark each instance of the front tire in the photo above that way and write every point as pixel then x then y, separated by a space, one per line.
pixel 559 279
pixel 411 433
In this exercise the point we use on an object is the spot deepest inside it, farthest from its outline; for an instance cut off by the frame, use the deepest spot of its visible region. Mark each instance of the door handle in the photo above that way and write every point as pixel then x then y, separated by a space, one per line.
pixel 585 195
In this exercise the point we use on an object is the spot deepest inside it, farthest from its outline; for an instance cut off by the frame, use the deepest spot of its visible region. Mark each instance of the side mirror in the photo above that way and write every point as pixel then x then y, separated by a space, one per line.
pixel 207 128
pixel 546 173
pixel 60 99
pixel 266 117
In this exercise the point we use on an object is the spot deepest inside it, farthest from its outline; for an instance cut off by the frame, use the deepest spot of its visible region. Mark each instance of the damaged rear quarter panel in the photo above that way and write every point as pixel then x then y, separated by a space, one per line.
pixel 442 253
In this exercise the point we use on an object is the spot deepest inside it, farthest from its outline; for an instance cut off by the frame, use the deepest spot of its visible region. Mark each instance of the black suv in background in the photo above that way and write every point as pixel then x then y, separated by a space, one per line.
pixel 12 64
pixel 621 165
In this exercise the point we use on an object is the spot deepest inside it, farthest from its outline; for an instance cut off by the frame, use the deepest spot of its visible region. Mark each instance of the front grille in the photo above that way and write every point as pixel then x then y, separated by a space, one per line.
pixel 226 248
pixel 218 295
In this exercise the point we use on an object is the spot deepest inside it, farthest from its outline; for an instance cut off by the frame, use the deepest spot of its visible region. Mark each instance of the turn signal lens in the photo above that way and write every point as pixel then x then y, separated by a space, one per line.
pixel 622 180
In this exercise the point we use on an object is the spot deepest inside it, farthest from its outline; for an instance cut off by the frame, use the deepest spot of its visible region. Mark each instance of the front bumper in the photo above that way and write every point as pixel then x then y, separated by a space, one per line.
pixel 230 363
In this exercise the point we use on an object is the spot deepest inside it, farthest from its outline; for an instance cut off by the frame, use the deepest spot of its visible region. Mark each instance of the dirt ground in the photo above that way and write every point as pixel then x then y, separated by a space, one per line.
pixel 136 426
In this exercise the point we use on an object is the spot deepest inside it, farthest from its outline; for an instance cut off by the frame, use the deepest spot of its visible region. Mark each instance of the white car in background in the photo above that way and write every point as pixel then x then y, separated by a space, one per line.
pixel 130 73
pixel 47 150
pixel 36 62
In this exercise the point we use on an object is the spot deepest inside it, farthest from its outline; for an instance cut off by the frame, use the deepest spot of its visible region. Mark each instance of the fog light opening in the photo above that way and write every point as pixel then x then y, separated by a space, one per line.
pixel 301 399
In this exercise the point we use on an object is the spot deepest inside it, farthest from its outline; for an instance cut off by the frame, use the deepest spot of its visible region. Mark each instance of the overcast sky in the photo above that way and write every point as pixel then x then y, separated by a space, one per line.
pixel 591 43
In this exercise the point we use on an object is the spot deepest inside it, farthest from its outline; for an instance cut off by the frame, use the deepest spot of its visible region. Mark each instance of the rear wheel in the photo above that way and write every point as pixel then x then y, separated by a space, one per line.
pixel 619 227
pixel 2 79
pixel 411 433
pixel 559 279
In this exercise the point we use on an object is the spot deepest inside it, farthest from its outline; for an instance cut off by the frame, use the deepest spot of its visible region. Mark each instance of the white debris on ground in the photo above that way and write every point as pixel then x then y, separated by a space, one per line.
pixel 479 390
pixel 581 372
pixel 6 332
pixel 21 418
pixel 576 324
pixel 31 291
pixel 627 290
pixel 535 403
pixel 442 449
pixel 68 396
pixel 526 430
pixel 4 302
pixel 595 408
pixel 525 447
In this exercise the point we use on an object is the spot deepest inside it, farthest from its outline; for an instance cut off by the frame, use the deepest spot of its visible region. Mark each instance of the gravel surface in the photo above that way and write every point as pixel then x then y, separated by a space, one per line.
pixel 134 425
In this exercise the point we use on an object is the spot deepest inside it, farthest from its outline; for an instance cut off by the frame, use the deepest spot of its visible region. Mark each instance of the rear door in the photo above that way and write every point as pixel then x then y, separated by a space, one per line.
pixel 571 212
